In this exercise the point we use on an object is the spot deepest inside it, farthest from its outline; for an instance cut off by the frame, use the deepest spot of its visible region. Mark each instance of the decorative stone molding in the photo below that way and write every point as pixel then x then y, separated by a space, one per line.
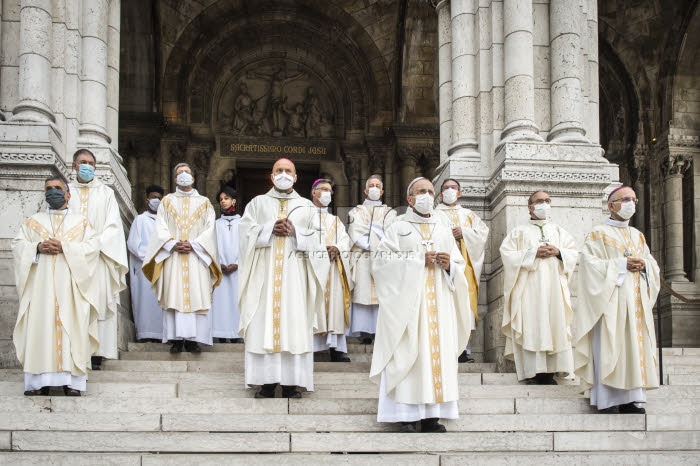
pixel 676 165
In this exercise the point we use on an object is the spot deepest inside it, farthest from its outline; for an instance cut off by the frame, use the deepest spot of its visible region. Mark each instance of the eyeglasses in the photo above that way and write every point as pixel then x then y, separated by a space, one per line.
pixel 450 186
pixel 627 199
pixel 542 201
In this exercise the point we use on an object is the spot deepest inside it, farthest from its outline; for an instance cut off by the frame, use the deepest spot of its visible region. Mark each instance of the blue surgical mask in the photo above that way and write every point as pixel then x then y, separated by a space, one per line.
pixel 86 172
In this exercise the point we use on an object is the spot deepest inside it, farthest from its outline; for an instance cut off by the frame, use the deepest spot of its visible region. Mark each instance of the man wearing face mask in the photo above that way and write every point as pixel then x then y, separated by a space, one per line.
pixel 424 317
pixel 283 273
pixel 182 264
pixel 618 282
pixel 55 255
pixel 471 234
pixel 224 307
pixel 333 317
pixel 366 225
pixel 96 201
pixel 538 261
pixel 148 315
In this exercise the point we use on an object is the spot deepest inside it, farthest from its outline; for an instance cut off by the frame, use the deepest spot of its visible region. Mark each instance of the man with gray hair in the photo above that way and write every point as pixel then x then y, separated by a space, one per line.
pixel 366 226
pixel 182 264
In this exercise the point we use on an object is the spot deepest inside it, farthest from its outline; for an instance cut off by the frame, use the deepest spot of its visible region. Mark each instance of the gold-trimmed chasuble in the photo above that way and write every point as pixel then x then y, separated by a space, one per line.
pixel 433 322
pixel 278 253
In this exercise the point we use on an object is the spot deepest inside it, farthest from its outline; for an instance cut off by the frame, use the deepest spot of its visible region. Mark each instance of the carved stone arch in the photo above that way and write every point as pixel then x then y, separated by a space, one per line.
pixel 685 85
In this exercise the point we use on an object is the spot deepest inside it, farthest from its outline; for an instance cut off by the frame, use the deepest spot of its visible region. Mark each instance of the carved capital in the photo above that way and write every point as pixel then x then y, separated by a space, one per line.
pixel 676 165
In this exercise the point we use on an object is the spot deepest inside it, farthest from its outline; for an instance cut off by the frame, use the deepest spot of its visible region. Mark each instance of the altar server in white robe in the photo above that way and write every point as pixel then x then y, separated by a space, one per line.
pixel 148 315
pixel 471 234
pixel 224 307
pixel 424 317
pixel 538 260
pixel 96 201
pixel 182 264
pixel 282 273
pixel 55 254
pixel 618 283
pixel 366 225
pixel 333 317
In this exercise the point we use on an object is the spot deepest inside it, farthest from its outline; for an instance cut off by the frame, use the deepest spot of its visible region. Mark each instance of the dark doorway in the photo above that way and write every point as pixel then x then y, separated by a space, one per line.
pixel 254 180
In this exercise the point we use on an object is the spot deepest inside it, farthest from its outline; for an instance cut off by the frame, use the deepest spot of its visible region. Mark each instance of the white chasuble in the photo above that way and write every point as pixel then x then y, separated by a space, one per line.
pixel 282 283
pixel 537 312
pixel 424 319
pixel 56 329
pixel 617 304
pixel 183 283
pixel 97 202
pixel 148 315
pixel 224 307
pixel 472 246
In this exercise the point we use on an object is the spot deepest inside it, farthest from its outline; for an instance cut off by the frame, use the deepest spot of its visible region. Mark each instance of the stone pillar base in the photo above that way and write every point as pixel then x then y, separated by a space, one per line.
pixel 680 322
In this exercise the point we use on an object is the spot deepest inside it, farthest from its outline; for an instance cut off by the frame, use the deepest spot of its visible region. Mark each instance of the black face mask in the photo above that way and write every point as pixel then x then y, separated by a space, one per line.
pixel 55 198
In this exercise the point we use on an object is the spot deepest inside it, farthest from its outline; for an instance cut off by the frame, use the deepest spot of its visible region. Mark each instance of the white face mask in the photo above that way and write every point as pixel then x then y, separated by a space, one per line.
pixel 184 179
pixel 325 198
pixel 627 210
pixel 283 181
pixel 424 203
pixel 449 196
pixel 374 193
pixel 153 204
pixel 542 211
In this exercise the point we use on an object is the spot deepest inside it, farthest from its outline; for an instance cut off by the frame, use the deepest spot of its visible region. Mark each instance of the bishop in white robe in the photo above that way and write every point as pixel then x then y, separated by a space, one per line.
pixel 148 315
pixel 538 261
pixel 96 201
pixel 618 283
pixel 424 317
pixel 366 225
pixel 283 274
pixel 182 264
pixel 55 255
pixel 470 233
pixel 333 317
pixel 225 317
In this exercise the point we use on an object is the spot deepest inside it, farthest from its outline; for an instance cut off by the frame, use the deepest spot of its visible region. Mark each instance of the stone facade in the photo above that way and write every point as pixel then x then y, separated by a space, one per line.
pixel 508 96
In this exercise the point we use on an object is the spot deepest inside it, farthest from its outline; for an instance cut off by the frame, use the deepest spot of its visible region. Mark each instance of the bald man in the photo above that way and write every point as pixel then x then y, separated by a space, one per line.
pixel 282 276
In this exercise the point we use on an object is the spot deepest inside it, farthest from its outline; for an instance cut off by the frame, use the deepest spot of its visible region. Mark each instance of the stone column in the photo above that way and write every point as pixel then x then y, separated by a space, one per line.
pixel 465 47
pixel 519 73
pixel 408 169
pixel 566 73
pixel 113 22
pixel 592 112
pixel 674 168
pixel 445 76
pixel 35 40
pixel 93 119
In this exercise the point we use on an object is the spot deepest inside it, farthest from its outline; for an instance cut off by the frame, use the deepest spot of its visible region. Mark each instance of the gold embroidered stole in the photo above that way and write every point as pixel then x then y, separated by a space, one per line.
pixel 278 254
pixel 433 323
pixel 329 239
pixel 469 268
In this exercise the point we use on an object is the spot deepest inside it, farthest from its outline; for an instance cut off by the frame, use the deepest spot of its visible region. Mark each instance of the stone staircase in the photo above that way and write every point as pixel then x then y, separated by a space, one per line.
pixel 151 408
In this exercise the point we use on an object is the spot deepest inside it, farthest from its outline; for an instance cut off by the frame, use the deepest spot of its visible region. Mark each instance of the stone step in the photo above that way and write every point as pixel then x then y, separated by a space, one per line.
pixel 683 458
pixel 95 422
pixel 684 360
pixel 70 459
pixel 353 348
pixel 369 406
pixel 684 379
pixel 190 442
pixel 681 352
pixel 664 405
pixel 166 390
pixel 681 369
pixel 368 423
pixel 626 441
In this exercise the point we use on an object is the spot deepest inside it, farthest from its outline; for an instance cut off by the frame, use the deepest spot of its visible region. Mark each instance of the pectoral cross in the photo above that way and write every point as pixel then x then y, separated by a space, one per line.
pixel 627 253
pixel 427 244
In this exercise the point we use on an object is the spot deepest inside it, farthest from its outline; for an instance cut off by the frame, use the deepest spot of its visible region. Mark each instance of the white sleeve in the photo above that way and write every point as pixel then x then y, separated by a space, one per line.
pixel 622 272
pixel 201 253
pixel 529 259
pixel 265 236
pixel 165 251
pixel 363 242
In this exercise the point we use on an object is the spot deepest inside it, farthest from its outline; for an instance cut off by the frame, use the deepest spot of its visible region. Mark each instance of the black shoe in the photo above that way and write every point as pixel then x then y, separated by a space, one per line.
pixel 631 408
pixel 531 381
pixel 192 347
pixel 290 391
pixel 237 340
pixel 610 410
pixel 43 391
pixel 337 356
pixel 408 427
pixel 96 363
pixel 177 347
pixel 545 378
pixel 432 425
pixel 267 391
pixel 464 357
pixel 366 340
pixel 67 391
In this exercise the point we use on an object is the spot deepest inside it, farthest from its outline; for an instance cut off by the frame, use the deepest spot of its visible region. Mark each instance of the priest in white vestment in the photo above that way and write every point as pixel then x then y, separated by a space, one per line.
pixel 282 274
pixel 424 317
pixel 538 261
pixel 96 201
pixel 224 307
pixel 182 264
pixel 471 234
pixel 148 315
pixel 618 282
pixel 55 255
pixel 333 317
pixel 366 225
